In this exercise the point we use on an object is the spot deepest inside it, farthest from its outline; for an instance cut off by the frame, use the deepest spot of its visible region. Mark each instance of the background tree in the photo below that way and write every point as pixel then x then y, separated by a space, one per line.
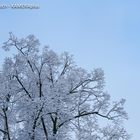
pixel 46 96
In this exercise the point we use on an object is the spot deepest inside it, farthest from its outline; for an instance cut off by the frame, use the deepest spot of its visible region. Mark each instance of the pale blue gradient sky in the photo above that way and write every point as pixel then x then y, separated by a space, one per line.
pixel 99 33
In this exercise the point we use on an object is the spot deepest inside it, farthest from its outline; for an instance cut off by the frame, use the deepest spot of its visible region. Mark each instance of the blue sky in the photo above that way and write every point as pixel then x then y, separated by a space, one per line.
pixel 99 33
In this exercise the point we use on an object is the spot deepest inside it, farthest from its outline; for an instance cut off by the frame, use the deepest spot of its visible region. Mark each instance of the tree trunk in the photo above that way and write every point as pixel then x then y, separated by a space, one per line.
pixel 6 135
pixel 44 128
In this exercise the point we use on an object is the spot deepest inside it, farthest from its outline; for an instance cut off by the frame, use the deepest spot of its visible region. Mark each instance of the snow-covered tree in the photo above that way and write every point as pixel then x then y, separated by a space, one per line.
pixel 46 96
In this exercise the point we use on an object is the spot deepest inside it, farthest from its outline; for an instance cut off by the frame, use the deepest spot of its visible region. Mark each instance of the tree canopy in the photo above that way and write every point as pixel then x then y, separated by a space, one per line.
pixel 46 96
